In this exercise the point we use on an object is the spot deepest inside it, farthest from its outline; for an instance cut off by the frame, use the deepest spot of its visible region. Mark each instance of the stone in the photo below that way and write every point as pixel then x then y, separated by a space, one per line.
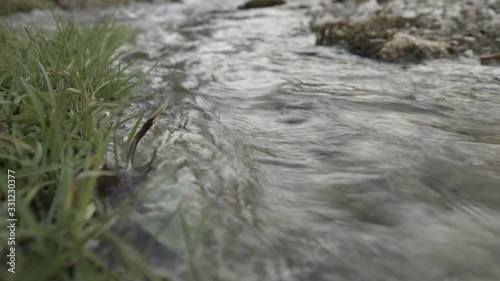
pixel 405 47
pixel 491 60
pixel 462 25
pixel 252 4
pixel 469 39
pixel 469 53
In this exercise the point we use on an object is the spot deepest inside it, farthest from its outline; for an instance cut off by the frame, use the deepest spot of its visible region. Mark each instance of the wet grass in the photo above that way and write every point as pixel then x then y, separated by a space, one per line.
pixel 60 95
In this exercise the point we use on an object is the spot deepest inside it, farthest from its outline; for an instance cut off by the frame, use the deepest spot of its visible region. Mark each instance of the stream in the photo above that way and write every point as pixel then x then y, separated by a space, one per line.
pixel 290 161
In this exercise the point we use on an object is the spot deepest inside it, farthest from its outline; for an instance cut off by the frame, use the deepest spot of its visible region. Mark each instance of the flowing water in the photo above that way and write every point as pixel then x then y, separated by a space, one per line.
pixel 291 161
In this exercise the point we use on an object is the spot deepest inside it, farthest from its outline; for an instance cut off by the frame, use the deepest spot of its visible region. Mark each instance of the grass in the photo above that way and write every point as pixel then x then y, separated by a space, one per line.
pixel 14 6
pixel 60 95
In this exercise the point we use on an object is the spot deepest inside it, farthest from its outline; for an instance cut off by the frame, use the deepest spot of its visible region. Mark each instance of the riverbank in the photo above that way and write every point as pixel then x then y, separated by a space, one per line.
pixel 408 30
pixel 61 96
pixel 15 6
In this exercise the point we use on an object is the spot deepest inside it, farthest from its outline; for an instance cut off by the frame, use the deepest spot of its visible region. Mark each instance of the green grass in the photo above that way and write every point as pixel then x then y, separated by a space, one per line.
pixel 60 95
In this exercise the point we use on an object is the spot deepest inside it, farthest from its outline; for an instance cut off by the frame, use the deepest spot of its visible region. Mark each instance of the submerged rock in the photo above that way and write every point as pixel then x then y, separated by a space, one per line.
pixel 252 4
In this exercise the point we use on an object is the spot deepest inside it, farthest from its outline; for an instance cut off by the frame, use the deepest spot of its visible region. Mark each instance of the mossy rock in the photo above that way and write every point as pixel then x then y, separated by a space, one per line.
pixel 365 39
pixel 253 4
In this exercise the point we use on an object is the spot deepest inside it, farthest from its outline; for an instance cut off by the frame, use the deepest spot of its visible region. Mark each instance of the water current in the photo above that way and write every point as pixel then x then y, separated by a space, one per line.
pixel 290 161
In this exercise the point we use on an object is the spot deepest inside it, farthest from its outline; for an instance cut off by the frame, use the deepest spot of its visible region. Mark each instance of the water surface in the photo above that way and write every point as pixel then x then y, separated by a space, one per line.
pixel 307 162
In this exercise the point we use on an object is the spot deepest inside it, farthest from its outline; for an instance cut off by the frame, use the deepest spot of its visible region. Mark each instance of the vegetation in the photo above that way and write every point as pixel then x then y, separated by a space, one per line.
pixel 14 6
pixel 59 98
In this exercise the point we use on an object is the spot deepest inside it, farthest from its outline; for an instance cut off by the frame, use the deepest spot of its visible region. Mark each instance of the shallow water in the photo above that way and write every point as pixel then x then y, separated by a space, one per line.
pixel 308 163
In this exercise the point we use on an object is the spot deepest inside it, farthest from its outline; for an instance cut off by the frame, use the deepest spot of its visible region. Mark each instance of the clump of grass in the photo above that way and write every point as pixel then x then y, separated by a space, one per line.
pixel 59 97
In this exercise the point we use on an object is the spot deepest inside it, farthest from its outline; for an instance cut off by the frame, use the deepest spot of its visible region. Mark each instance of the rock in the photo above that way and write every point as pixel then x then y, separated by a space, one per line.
pixel 469 39
pixel 409 14
pixel 492 60
pixel 361 26
pixel 367 10
pixel 252 4
pixel 469 53
pixel 404 47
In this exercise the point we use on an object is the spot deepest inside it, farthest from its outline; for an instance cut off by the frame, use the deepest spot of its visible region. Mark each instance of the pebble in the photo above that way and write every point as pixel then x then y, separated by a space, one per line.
pixel 469 53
